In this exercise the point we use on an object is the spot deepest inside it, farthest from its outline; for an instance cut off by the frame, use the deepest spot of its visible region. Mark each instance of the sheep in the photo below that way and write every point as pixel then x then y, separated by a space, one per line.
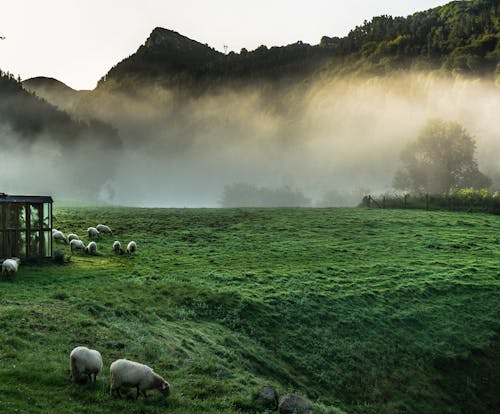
pixel 76 244
pixel 10 265
pixel 59 236
pixel 91 248
pixel 73 236
pixel 131 247
pixel 93 233
pixel 125 373
pixel 84 361
pixel 117 247
pixel 104 229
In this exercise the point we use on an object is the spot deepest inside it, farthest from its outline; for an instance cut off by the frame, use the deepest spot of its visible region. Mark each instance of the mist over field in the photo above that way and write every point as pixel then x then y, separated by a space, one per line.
pixel 342 135
pixel 336 136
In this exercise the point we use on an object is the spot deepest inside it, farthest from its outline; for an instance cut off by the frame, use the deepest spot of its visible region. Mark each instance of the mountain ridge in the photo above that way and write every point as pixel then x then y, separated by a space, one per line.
pixel 461 36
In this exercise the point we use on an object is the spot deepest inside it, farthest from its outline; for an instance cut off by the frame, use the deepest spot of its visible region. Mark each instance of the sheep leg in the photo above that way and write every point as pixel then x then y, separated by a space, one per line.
pixel 138 392
pixel 115 391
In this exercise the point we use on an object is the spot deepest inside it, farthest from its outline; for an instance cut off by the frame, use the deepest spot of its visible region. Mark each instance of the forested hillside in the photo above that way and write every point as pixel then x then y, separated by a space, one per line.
pixel 31 118
pixel 462 36
pixel 64 153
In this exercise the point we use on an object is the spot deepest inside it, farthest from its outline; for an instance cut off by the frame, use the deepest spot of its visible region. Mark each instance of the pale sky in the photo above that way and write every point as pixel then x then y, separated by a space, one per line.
pixel 78 41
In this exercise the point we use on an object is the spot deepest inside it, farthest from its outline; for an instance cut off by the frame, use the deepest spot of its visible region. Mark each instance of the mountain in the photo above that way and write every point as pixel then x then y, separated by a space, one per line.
pixel 53 91
pixel 461 37
pixel 58 147
pixel 165 53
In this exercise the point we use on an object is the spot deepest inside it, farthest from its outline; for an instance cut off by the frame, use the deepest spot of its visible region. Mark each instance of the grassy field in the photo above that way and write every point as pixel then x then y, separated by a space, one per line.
pixel 365 311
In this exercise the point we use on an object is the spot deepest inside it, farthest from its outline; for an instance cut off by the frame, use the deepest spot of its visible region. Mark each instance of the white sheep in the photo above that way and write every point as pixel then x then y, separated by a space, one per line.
pixel 10 265
pixel 84 361
pixel 125 373
pixel 76 244
pixel 73 236
pixel 93 233
pixel 59 236
pixel 131 247
pixel 104 229
pixel 91 248
pixel 117 247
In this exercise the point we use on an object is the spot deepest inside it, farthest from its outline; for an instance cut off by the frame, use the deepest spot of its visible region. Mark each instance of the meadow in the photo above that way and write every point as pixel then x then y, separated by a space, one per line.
pixel 358 310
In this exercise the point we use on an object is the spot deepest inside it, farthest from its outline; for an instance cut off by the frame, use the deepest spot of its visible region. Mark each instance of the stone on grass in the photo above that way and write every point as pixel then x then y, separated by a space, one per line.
pixel 267 397
pixel 293 404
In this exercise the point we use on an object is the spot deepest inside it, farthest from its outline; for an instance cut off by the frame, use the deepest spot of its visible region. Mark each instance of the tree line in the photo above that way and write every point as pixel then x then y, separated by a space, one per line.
pixel 462 36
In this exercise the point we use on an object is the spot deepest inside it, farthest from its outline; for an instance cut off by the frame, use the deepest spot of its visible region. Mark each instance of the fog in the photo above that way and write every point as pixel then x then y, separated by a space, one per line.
pixel 333 135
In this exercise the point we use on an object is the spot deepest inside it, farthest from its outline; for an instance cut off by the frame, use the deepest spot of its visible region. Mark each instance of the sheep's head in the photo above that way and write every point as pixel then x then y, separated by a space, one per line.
pixel 165 388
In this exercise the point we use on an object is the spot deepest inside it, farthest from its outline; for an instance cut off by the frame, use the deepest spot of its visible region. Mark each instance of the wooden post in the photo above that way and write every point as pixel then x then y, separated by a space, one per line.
pixel 427 201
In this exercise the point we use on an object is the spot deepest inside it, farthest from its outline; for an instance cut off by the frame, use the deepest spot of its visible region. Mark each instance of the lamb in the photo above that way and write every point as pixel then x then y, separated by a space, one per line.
pixel 76 244
pixel 93 233
pixel 84 361
pixel 59 236
pixel 10 265
pixel 125 373
pixel 131 247
pixel 104 229
pixel 117 247
pixel 91 248
pixel 73 236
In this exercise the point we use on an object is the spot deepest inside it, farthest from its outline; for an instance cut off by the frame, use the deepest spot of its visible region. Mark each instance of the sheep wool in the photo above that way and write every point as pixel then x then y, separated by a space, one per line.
pixel 102 228
pixel 91 248
pixel 84 361
pixel 59 236
pixel 76 244
pixel 10 265
pixel 73 236
pixel 125 373
pixel 131 247
pixel 117 247
pixel 93 233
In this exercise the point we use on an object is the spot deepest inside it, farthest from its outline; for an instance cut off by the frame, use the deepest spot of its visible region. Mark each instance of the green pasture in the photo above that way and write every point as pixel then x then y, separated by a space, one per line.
pixel 358 310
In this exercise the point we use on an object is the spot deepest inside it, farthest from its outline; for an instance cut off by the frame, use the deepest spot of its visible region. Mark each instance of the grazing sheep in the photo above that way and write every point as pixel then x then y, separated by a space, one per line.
pixel 84 361
pixel 91 248
pixel 73 236
pixel 10 265
pixel 104 229
pixel 117 247
pixel 76 244
pixel 59 236
pixel 93 233
pixel 125 373
pixel 131 247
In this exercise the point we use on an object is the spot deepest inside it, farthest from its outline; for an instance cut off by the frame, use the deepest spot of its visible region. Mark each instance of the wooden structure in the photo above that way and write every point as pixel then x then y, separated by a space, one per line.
pixel 25 226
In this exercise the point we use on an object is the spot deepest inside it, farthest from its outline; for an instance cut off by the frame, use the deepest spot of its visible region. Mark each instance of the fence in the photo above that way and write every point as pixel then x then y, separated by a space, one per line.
pixel 458 200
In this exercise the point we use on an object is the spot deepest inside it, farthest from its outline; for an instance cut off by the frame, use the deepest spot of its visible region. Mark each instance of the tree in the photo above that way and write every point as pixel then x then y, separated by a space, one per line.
pixel 442 158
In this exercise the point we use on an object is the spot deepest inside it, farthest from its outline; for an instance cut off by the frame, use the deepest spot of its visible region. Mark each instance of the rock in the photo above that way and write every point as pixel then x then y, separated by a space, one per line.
pixel 293 404
pixel 267 397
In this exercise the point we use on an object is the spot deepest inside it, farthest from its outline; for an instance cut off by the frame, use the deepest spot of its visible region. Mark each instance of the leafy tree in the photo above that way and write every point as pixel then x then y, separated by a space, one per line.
pixel 441 159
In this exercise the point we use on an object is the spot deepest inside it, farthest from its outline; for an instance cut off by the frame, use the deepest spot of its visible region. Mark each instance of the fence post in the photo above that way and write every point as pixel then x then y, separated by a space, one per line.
pixel 405 197
pixel 427 201
pixel 383 202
